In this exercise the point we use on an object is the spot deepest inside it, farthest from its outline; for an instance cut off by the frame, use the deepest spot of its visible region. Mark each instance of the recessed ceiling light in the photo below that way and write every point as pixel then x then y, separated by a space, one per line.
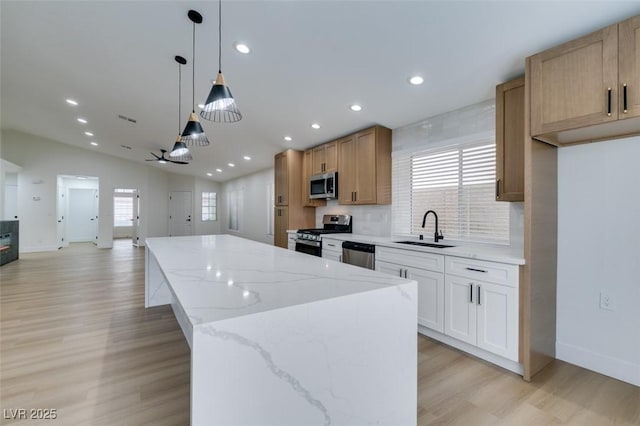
pixel 209 174
pixel 88 133
pixel 82 120
pixel 416 80
pixel 94 143
pixel 242 48
pixel 355 107
pixel 231 165
pixel 288 138
pixel 72 102
pixel 219 170
pixel 201 106
pixel 246 157
pixel 315 126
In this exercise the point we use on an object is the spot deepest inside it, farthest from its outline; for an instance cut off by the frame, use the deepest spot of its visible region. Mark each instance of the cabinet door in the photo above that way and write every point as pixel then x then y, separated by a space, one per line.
pixel 629 67
pixel 281 219
pixel 390 268
pixel 570 83
pixel 460 309
pixel 497 308
pixel 430 297
pixel 281 180
pixel 347 167
pixel 365 165
pixel 318 160
pixel 510 141
pixel 331 157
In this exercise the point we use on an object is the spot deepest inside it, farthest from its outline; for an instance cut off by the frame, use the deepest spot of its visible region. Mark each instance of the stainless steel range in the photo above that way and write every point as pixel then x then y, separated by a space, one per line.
pixel 310 240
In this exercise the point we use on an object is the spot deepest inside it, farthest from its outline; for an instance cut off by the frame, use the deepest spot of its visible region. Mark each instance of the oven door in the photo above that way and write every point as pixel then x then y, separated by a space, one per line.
pixel 313 248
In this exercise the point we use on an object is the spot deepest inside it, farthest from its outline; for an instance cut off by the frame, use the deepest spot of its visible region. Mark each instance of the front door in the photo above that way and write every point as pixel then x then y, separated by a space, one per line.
pixel 180 213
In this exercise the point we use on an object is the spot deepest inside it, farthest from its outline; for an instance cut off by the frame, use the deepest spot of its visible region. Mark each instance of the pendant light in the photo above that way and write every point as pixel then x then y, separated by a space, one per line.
pixel 220 105
pixel 180 151
pixel 193 133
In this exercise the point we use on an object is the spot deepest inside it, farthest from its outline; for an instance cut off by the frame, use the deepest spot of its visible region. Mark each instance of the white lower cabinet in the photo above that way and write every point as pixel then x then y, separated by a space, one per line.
pixel 332 249
pixel 291 240
pixel 413 265
pixel 483 313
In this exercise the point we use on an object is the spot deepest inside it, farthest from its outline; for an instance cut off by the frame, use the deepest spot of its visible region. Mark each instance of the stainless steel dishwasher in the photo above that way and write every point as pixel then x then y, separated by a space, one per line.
pixel 359 254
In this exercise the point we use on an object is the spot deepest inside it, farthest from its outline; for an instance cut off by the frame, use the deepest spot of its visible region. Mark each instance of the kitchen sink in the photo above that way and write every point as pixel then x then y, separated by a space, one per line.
pixel 423 244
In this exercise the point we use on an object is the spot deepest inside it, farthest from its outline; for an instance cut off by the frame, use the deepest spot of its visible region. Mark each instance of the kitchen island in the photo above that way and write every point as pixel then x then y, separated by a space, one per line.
pixel 283 338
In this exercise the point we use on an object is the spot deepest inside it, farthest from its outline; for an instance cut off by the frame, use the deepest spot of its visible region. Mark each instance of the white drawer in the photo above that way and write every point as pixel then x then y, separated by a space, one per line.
pixel 416 259
pixel 499 273
pixel 331 245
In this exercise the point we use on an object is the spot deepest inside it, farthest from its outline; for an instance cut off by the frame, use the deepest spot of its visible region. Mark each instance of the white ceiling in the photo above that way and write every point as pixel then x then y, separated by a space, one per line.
pixel 310 60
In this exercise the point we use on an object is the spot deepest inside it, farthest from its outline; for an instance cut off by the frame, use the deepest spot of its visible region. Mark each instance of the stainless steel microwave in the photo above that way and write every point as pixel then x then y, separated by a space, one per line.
pixel 324 186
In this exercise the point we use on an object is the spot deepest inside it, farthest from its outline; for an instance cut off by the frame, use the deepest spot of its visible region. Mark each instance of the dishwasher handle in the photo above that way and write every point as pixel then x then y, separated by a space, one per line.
pixel 350 245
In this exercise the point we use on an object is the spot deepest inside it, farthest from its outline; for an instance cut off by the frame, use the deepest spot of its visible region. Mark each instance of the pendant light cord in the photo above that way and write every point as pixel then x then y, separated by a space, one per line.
pixel 179 95
pixel 193 72
pixel 219 36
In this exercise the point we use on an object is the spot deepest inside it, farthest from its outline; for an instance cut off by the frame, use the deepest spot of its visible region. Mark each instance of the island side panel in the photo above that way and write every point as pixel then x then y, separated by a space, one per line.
pixel 350 360
pixel 156 290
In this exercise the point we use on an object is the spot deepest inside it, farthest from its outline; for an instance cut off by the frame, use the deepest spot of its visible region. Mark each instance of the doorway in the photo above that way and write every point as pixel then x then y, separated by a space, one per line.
pixel 126 215
pixel 77 202
pixel 180 213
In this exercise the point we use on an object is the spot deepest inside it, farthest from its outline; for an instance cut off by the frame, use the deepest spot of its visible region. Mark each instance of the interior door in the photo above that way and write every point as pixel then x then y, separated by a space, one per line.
pixel 135 231
pixel 82 223
pixel 180 213
pixel 60 213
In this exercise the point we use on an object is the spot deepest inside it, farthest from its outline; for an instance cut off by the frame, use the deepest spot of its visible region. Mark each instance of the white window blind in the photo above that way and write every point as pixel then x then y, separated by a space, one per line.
pixel 458 183
pixel 209 206
pixel 123 207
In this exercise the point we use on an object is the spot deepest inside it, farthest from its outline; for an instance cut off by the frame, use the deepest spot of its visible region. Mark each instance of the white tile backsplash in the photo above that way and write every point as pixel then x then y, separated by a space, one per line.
pixel 367 220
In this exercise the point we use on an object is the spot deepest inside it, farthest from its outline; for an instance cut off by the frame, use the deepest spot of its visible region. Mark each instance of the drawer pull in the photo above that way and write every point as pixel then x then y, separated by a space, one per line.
pixel 331 245
pixel 609 102
pixel 475 270
pixel 624 98
pixel 470 293
pixel 479 296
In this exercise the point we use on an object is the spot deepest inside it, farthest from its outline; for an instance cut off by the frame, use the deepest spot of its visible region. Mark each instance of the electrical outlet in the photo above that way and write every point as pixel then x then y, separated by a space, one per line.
pixel 606 301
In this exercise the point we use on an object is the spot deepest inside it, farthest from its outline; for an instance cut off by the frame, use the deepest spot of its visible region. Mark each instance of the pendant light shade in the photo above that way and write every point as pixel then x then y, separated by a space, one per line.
pixel 180 152
pixel 220 105
pixel 193 133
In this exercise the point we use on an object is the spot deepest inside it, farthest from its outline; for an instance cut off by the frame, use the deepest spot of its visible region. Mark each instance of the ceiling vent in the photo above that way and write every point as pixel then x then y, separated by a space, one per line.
pixel 129 119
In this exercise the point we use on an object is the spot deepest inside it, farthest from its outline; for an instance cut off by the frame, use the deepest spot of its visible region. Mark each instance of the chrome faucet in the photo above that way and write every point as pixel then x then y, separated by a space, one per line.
pixel 437 236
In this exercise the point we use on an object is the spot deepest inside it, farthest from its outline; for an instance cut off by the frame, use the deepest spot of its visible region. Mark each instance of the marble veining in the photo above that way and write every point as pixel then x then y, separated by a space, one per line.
pixel 271 365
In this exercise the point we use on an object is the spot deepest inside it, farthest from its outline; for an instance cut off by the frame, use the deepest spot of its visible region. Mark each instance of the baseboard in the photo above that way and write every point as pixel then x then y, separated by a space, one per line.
pixel 609 366
pixel 37 249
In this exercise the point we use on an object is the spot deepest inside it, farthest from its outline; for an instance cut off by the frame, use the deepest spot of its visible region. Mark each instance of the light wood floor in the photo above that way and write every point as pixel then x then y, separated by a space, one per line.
pixel 76 337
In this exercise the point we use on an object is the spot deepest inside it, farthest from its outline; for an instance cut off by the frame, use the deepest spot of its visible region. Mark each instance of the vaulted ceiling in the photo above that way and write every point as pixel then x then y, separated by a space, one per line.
pixel 310 61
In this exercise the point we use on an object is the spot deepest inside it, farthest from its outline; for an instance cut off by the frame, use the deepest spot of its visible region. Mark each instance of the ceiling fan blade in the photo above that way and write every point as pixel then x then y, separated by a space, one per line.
pixel 150 160
pixel 178 162
pixel 155 155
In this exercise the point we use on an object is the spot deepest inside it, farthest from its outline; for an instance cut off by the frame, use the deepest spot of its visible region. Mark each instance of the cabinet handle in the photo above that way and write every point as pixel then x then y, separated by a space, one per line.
pixel 476 270
pixel 406 273
pixel 624 98
pixel 609 101
pixel 331 245
pixel 400 274
pixel 497 188
pixel 340 258
pixel 471 293
pixel 479 295
pixel 355 196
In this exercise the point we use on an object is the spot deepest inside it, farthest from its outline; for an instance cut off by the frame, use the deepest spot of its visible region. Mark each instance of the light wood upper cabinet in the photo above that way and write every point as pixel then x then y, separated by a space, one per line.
pixel 510 141
pixel 281 179
pixel 579 90
pixel 325 158
pixel 364 164
pixel 629 67
pixel 290 213
pixel 307 172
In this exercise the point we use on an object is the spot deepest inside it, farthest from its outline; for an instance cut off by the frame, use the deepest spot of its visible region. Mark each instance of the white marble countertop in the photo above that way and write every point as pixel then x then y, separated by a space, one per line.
pixel 217 277
pixel 477 251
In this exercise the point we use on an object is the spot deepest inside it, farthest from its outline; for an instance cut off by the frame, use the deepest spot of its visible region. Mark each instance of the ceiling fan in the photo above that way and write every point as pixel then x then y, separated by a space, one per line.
pixel 163 160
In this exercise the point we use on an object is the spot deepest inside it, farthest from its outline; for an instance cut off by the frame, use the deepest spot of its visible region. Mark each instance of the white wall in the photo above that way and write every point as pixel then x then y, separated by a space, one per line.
pixel 43 159
pixel 599 251
pixel 255 206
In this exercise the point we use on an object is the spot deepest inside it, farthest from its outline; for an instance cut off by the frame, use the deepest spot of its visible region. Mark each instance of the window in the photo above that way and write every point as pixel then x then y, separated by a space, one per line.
pixel 123 207
pixel 209 211
pixel 458 183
